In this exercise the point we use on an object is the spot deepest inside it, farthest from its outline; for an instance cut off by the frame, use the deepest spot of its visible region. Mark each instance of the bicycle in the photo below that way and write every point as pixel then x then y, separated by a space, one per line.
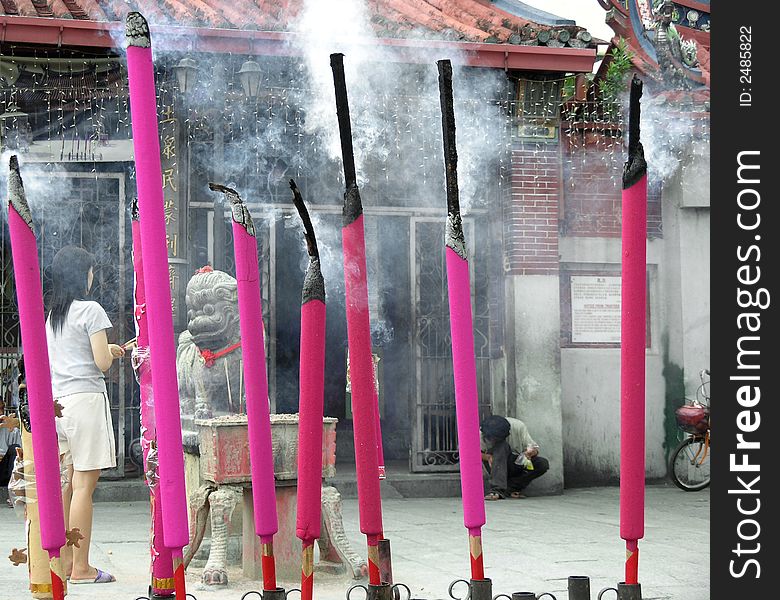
pixel 689 464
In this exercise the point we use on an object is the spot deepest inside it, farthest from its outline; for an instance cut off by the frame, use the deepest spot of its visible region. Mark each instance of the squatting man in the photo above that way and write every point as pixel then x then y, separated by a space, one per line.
pixel 510 456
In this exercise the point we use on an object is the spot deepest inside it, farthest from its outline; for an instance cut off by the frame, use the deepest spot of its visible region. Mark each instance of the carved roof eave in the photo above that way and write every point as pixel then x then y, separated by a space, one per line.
pixel 620 23
pixel 702 38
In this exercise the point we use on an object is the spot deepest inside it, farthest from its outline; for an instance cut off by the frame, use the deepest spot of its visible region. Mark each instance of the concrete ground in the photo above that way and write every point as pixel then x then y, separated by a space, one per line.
pixel 531 544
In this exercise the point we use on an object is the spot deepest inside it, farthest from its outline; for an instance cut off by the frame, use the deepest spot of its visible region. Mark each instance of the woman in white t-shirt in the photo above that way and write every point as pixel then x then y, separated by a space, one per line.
pixel 79 354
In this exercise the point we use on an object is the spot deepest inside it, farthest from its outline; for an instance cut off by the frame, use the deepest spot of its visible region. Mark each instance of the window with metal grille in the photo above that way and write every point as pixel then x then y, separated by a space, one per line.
pixel 538 108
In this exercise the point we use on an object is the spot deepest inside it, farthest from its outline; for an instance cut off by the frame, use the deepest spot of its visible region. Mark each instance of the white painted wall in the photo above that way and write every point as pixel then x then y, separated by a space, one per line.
pixel 695 275
pixel 537 397
pixel 570 397
pixel 693 216
pixel 590 380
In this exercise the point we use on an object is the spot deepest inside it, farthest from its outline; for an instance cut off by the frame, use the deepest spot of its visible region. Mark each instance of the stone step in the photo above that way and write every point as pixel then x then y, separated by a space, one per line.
pixel 399 484
pixel 403 485
pixel 121 490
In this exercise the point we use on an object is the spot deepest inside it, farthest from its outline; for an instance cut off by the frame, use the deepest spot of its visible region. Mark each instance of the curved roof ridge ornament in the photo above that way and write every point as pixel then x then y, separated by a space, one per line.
pixel 669 54
pixel 639 30
pixel 658 48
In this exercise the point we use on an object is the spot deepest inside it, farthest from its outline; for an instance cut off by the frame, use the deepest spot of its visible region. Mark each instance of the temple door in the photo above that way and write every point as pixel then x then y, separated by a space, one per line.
pixel 88 209
pixel 434 428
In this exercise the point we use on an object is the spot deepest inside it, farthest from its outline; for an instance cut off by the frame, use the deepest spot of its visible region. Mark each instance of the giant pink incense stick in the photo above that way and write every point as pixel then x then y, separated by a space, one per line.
pixel 255 380
pixel 29 296
pixel 463 359
pixel 310 408
pixel 161 559
pixel 633 325
pixel 146 147
pixel 361 367
pixel 380 451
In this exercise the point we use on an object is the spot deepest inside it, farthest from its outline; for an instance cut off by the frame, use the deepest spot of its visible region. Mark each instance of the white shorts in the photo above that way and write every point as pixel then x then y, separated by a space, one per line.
pixel 85 432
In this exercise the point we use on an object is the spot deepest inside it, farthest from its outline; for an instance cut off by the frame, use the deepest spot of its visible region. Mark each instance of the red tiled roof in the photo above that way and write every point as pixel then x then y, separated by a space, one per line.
pixel 464 20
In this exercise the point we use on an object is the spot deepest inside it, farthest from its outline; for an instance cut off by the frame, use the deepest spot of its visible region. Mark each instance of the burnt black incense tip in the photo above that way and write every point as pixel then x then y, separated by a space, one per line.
pixel 232 194
pixel 445 67
pixel 353 206
pixel 634 111
pixel 16 195
pixel 636 86
pixel 137 30
pixel 454 237
pixel 308 228
pixel 134 214
pixel 448 135
pixel 238 208
pixel 342 114
pixel 635 166
pixel 313 282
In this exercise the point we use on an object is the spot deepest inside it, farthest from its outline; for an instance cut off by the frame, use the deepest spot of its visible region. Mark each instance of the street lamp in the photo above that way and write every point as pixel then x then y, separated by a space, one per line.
pixel 14 129
pixel 250 75
pixel 186 74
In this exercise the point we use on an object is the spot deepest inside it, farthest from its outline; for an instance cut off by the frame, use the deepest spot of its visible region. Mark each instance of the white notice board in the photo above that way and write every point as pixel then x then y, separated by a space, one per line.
pixel 595 309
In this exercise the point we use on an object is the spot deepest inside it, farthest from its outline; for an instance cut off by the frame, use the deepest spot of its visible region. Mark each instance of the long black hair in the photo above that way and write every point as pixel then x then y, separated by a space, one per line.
pixel 69 271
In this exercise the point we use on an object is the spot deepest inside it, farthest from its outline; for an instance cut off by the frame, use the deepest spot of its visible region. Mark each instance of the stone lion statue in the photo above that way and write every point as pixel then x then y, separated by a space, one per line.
pixel 208 358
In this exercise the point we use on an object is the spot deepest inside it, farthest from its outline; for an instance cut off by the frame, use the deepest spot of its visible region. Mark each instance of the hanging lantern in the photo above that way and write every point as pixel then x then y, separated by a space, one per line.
pixel 250 75
pixel 186 75
pixel 15 133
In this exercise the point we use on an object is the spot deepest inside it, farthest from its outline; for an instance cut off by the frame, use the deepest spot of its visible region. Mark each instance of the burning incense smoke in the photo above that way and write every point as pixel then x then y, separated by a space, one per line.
pixel 461 327
pixel 312 377
pixel 359 336
pixel 258 418
pixel 146 144
pixel 632 347
pixel 162 561
pixel 29 295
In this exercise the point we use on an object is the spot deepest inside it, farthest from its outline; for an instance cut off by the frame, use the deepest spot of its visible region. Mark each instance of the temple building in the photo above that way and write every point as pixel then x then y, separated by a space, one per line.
pixel 244 100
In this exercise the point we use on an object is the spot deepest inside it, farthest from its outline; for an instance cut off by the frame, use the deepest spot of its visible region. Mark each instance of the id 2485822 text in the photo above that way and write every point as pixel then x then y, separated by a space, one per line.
pixel 746 65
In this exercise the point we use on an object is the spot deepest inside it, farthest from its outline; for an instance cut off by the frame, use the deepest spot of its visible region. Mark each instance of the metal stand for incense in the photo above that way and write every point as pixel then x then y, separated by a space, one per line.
pixel 382 591
pixel 623 591
pixel 387 589
pixel 478 589
pixel 578 589
pixel 277 594
pixel 525 596
pixel 153 596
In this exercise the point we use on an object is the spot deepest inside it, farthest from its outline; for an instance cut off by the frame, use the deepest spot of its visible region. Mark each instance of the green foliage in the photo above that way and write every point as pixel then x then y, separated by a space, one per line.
pixel 569 85
pixel 614 82
pixel 673 33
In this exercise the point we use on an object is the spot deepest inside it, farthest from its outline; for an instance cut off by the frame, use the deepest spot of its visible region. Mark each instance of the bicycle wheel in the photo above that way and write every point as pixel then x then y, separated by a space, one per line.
pixel 689 465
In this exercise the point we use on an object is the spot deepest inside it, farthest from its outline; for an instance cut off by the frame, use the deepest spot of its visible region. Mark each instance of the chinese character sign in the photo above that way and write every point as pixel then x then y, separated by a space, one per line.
pixel 170 181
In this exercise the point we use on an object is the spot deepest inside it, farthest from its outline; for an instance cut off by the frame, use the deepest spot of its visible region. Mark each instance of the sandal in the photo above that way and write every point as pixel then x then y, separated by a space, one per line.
pixel 517 495
pixel 102 577
pixel 493 496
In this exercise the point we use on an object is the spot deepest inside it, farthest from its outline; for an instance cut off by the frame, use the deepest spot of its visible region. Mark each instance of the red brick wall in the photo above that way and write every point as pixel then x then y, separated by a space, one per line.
pixel 571 189
pixel 531 210
pixel 592 172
